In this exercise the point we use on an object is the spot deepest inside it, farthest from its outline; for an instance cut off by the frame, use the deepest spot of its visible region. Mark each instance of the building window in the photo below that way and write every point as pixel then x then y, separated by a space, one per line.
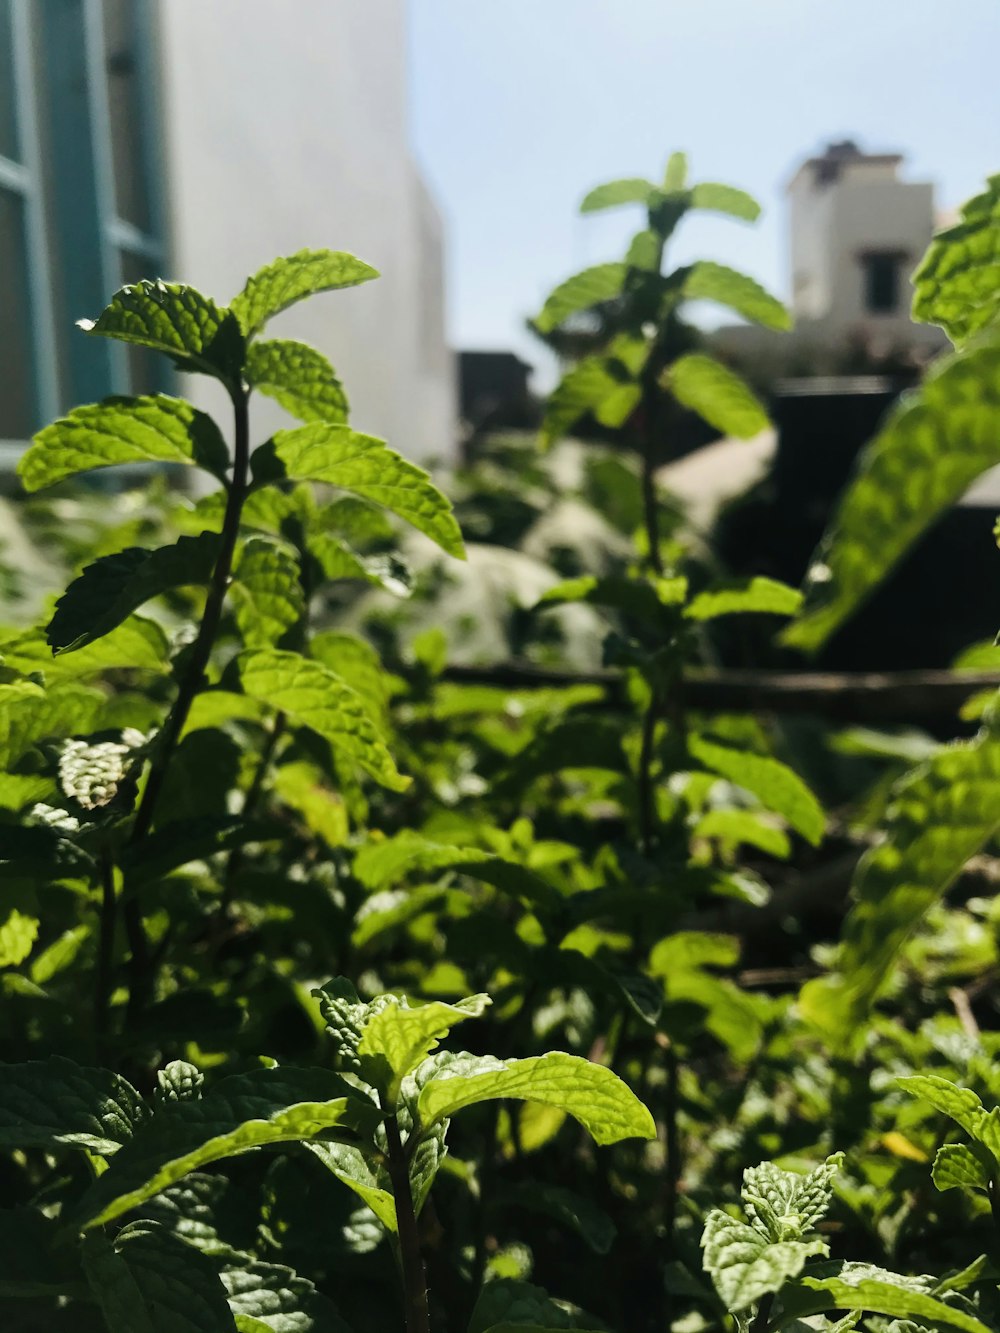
pixel 882 271
pixel 80 213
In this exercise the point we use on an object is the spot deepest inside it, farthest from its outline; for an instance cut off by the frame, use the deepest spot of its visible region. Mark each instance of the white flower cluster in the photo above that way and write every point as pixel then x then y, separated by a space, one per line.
pixel 92 773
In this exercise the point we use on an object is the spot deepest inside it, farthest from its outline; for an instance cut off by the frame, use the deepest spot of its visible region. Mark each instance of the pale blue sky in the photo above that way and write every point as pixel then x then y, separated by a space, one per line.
pixel 519 106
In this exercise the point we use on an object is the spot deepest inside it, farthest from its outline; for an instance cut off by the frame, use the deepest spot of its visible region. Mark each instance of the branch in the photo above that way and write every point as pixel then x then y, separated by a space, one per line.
pixel 848 696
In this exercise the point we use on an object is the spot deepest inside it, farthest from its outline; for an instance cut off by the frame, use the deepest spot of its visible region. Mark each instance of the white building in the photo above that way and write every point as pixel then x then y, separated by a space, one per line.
pixel 198 140
pixel 857 230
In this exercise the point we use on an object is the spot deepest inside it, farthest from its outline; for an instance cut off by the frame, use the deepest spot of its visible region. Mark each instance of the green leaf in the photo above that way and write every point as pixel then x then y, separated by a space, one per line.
pixel 359 1173
pixel 32 1263
pixel 397 1038
pixel 379 863
pixel 302 787
pixel 280 1105
pixel 581 390
pixel 29 714
pixel 759 595
pixel 269 1298
pixel 645 251
pixel 177 320
pixel 603 282
pixel 149 1281
pixel 960 1104
pixel 266 591
pixel 364 465
pixel 56 1103
pixel 138 643
pixel 957 283
pixel 114 586
pixel 299 378
pixel 744 1266
pixel 592 1094
pixel 313 697
pixel 707 281
pixel 355 661
pixel 733 827
pixel 675 175
pixel 785 1205
pixel 772 782
pixel 155 429
pixel 18 932
pixel 633 190
pixel 849 1286
pixel 932 447
pixel 725 199
pixel 508 1305
pixel 279 285
pixel 958 1167
pixel 20 789
pixel 573 1210
pixel 718 395
pixel 939 816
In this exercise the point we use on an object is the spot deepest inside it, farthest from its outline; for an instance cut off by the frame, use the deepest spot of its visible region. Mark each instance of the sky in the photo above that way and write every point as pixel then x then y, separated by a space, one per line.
pixel 520 106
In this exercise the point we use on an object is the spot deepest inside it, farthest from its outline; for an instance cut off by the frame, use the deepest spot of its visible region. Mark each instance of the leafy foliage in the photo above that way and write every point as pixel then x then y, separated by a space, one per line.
pixel 236 762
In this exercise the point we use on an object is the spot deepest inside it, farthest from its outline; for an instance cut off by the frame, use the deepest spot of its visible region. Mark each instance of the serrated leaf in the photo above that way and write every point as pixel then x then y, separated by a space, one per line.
pixel 56 1103
pixel 397 1038
pixel 786 1205
pixel 312 696
pixel 744 1266
pixel 365 466
pixel 592 1094
pixel 339 561
pixel 957 283
pixel 270 1298
pixel 137 644
pixel 355 661
pixel 298 377
pixel 179 1081
pixel 933 445
pixel 958 1167
pixel 114 586
pixel 153 429
pixel 20 789
pixel 707 281
pixel 266 591
pixel 29 713
pixel 603 282
pixel 961 1104
pixel 280 284
pixel 718 395
pixel 848 1286
pixel 280 1105
pixel 149 1281
pixel 175 319
pixel 727 199
pixel 759 596
pixel 772 782
pixel 940 815
pixel 632 190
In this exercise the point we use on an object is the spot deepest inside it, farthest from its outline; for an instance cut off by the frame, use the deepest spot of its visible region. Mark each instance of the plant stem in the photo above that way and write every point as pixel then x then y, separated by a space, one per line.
pixel 105 950
pixel 235 860
pixel 670 1110
pixel 650 513
pixel 140 980
pixel 644 777
pixel 414 1279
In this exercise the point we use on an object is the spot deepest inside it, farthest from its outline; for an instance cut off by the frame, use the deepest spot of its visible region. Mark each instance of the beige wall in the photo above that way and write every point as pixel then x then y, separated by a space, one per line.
pixel 286 127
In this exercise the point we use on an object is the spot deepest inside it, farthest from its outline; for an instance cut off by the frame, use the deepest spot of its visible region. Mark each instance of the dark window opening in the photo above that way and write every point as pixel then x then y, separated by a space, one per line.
pixel 882 281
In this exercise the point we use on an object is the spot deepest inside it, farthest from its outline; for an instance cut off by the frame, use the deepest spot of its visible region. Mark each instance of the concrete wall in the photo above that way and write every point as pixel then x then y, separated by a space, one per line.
pixel 286 127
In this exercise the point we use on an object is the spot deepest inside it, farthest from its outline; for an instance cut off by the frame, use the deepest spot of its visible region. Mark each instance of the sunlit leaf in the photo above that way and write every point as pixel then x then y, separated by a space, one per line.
pixel 280 284
pixel 957 283
pixel 718 395
pixel 707 281
pixel 299 378
pixel 603 282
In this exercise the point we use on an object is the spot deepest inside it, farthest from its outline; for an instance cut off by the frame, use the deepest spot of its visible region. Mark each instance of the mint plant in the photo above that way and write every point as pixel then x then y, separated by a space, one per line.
pixel 379 1126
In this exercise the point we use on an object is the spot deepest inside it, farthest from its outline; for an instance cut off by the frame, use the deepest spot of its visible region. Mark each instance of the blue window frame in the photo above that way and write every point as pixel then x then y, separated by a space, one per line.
pixel 81 210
